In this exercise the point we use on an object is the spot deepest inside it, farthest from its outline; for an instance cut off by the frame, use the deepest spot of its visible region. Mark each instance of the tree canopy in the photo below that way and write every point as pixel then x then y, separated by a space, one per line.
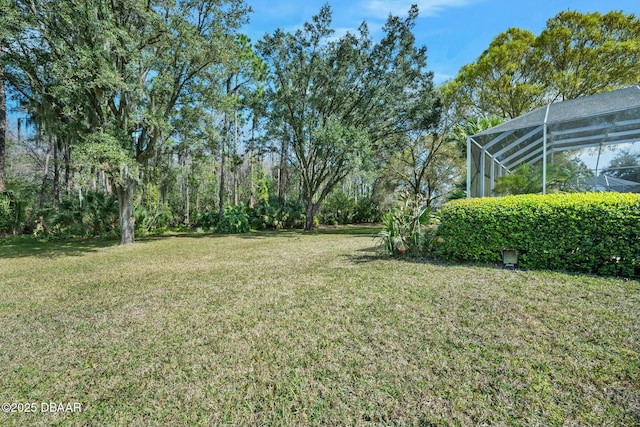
pixel 339 100
pixel 577 54
pixel 108 76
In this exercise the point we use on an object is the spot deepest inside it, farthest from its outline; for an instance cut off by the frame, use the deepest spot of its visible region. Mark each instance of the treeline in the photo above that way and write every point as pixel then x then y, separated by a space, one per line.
pixel 144 116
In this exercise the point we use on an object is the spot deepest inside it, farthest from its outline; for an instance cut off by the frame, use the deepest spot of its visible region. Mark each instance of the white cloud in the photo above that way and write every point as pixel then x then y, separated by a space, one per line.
pixel 382 8
pixel 439 78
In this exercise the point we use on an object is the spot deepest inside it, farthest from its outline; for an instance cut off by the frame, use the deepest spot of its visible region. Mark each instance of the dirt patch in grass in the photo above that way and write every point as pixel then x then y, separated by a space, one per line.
pixel 308 328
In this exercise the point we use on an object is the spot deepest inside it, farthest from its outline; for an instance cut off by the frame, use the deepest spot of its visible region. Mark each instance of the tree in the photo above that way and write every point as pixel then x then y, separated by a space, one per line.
pixel 575 55
pixel 586 53
pixel 428 167
pixel 242 82
pixel 119 71
pixel 625 165
pixel 502 82
pixel 3 97
pixel 3 123
pixel 470 127
pixel 458 135
pixel 340 100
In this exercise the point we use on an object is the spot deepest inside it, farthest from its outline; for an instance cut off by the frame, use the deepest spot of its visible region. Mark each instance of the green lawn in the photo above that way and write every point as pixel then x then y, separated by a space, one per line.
pixel 289 328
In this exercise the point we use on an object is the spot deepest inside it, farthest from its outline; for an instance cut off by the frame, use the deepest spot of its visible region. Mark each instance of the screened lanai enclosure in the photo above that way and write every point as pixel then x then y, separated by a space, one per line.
pixel 588 123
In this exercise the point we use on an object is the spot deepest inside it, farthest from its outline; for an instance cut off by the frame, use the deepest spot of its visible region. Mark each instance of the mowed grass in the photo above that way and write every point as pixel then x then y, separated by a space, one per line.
pixel 289 328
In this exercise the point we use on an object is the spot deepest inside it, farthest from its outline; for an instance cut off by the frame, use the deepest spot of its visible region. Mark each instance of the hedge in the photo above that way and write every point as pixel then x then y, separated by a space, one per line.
pixel 583 232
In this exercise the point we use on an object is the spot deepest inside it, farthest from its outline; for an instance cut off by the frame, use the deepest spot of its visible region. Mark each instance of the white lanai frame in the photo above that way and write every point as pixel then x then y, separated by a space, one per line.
pixel 600 120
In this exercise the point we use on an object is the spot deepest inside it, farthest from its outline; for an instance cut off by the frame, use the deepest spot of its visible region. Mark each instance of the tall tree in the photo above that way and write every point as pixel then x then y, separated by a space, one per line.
pixel 244 75
pixel 586 53
pixel 4 5
pixel 120 70
pixel 577 54
pixel 429 167
pixel 502 82
pixel 342 99
pixel 3 122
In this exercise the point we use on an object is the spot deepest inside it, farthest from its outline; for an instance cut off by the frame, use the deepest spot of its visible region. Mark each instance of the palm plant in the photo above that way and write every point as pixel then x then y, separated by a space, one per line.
pixel 407 227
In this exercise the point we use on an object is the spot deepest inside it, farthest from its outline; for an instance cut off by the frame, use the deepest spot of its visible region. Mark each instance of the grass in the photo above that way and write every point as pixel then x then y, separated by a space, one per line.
pixel 289 328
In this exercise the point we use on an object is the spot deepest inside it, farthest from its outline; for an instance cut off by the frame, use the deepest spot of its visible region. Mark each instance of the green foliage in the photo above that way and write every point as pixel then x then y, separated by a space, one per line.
pixel 525 179
pixel 12 212
pixel 111 76
pixel 207 219
pixel 338 209
pixel 471 127
pixel 389 235
pixel 366 211
pixel 564 175
pixel 234 220
pixel 586 53
pixel 345 97
pixel 585 232
pixel 501 82
pixel 276 213
pixel 153 220
pixel 429 165
pixel 409 227
pixel 92 215
pixel 577 54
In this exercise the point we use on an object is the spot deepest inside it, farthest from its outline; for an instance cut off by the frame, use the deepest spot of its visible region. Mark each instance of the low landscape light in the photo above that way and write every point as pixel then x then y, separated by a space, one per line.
pixel 509 257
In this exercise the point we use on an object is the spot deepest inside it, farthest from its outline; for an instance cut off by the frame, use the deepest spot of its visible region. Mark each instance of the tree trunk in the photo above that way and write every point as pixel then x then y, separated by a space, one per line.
pixel 45 175
pixel 3 127
pixel 308 221
pixel 222 167
pixel 187 205
pixel 56 173
pixel 125 193
pixel 67 167
pixel 235 152
pixel 282 171
pixel 252 201
pixel 309 214
pixel 252 161
pixel 187 200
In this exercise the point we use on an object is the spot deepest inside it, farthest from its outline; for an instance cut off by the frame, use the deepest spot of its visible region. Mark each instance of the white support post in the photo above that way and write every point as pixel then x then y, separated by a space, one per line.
pixel 544 152
pixel 468 167
pixel 482 168
pixel 492 176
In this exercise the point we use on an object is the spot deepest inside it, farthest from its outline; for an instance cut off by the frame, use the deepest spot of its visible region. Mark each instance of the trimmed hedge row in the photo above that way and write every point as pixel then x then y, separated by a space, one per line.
pixel 584 232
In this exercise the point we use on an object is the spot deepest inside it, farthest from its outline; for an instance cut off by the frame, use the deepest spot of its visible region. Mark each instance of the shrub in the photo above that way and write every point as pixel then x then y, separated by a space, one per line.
pixel 262 215
pixel 94 214
pixel 234 220
pixel 153 220
pixel 584 232
pixel 366 211
pixel 275 213
pixel 207 219
pixel 408 228
pixel 338 209
pixel 11 212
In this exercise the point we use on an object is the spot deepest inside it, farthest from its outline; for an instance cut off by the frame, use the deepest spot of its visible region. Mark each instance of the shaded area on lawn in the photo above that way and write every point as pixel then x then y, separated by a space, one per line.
pixel 34 248
pixel 19 247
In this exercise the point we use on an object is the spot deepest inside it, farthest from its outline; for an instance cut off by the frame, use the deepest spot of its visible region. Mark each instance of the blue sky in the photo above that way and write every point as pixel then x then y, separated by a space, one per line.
pixel 455 32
